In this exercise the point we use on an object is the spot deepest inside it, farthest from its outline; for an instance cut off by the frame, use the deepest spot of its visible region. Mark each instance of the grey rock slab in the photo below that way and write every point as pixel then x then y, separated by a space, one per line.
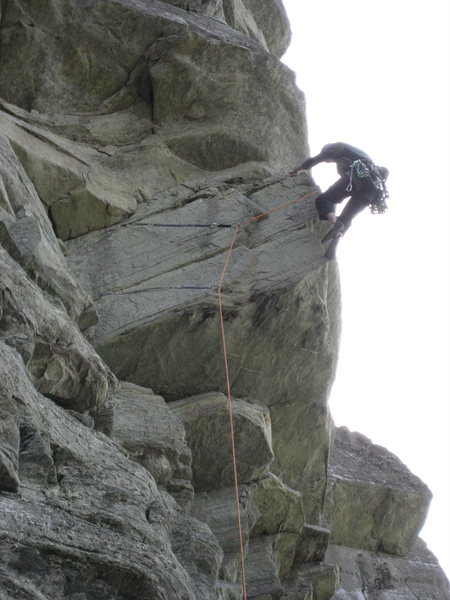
pixel 312 582
pixel 27 234
pixel 98 526
pixel 271 18
pixel 279 508
pixel 94 88
pixel 262 567
pixel 9 445
pixel 280 298
pixel 152 434
pixel 207 421
pixel 251 104
pixel 102 58
pixel 373 502
pixel 218 509
pixel 86 187
pixel 375 576
pixel 200 554
pixel 312 544
pixel 61 363
pixel 278 511
pixel 265 22
pixel 238 16
pixel 143 249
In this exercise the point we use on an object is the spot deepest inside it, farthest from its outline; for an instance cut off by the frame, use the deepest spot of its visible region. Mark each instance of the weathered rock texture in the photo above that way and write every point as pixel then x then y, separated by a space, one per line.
pixel 374 502
pixel 375 576
pixel 278 283
pixel 131 130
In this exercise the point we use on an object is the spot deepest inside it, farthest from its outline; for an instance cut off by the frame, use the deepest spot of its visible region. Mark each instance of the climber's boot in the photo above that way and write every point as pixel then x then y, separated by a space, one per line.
pixel 330 252
pixel 336 231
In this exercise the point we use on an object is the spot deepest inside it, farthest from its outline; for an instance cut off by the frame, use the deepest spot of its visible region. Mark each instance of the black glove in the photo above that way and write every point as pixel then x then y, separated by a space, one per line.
pixel 307 164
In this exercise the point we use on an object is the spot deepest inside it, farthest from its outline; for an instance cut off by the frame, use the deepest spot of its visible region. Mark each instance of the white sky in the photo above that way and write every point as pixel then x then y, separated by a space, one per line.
pixel 377 75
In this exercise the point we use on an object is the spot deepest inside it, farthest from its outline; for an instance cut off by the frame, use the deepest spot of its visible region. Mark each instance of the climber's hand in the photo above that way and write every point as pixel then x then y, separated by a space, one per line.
pixel 297 170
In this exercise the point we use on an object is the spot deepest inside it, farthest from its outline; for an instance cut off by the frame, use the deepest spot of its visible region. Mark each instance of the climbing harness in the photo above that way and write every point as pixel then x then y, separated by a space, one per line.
pixel 370 171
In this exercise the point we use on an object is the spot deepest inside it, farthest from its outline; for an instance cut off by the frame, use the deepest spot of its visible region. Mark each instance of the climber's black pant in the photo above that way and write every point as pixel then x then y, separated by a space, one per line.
pixel 362 194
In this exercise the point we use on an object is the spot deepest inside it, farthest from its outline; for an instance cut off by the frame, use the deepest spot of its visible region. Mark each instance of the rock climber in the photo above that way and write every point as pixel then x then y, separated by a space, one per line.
pixel 361 180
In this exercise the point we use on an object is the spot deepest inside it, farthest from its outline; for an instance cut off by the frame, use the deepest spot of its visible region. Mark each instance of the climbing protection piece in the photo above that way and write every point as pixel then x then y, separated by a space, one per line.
pixel 367 170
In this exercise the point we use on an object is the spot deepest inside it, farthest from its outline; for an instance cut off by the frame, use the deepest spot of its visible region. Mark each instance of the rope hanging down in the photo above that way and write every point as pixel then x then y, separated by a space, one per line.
pixel 230 411
pixel 227 373
pixel 218 289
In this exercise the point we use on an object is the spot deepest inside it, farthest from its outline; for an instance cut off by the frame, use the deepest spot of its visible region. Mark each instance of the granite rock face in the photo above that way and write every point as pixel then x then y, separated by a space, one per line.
pixel 373 501
pixel 143 163
pixel 206 419
pixel 135 97
pixel 281 303
pixel 25 230
pixel 143 424
pixel 266 22
pixel 87 520
pixel 376 576
pixel 59 360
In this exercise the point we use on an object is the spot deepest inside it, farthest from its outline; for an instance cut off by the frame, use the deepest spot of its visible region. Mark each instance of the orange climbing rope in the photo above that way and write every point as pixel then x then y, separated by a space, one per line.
pixel 230 411
pixel 227 372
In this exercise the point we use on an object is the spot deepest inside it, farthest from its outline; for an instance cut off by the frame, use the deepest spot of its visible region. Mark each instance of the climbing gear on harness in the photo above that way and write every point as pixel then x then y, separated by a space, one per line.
pixel 366 170
pixel 362 171
pixel 379 206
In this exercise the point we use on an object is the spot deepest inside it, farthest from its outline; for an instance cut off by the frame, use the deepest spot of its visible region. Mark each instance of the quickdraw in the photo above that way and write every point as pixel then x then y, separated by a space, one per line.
pixel 364 171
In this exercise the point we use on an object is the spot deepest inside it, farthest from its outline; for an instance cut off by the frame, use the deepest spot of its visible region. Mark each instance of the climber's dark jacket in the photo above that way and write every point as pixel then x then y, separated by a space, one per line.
pixel 362 194
pixel 342 154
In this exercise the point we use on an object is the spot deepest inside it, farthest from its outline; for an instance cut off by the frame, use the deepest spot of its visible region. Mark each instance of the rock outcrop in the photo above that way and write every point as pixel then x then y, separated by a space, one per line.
pixel 374 502
pixel 375 576
pixel 145 148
